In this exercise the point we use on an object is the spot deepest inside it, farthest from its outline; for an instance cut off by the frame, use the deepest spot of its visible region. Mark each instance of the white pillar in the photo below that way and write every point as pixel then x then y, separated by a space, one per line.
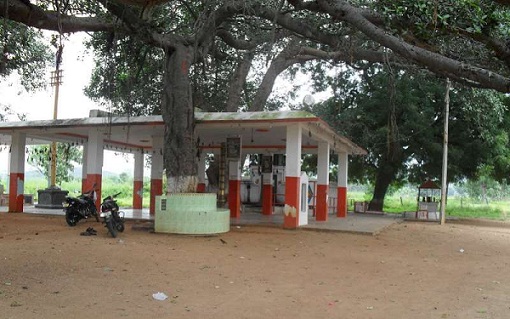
pixel 321 196
pixel 138 180
pixel 156 171
pixel 94 153
pixel 95 145
pixel 342 185
pixel 292 176
pixel 84 169
pixel 17 172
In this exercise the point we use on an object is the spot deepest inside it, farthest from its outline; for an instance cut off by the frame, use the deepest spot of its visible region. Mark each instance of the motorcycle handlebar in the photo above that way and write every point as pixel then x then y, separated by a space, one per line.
pixel 112 196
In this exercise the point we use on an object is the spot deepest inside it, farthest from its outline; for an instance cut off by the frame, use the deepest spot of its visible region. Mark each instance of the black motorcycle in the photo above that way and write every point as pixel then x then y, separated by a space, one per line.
pixel 113 218
pixel 80 207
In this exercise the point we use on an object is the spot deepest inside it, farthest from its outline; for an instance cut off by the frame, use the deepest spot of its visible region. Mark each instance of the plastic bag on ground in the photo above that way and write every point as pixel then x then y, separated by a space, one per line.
pixel 159 296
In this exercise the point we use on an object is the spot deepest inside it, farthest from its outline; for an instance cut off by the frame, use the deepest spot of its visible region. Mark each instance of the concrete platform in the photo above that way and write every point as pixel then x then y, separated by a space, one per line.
pixel 366 224
pixel 141 214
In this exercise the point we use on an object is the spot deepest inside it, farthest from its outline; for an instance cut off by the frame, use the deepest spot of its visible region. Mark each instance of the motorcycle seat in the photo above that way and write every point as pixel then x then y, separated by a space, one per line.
pixel 82 200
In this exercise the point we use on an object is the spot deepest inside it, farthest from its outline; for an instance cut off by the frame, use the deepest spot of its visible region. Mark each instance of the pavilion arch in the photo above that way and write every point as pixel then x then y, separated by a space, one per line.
pixel 292 133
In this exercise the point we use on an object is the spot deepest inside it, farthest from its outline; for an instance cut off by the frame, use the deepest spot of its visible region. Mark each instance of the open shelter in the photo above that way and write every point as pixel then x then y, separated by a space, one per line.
pixel 429 197
pixel 291 133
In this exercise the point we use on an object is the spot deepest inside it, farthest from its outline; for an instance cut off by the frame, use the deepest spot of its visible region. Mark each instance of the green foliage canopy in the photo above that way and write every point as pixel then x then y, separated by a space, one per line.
pixel 399 118
pixel 25 51
pixel 67 156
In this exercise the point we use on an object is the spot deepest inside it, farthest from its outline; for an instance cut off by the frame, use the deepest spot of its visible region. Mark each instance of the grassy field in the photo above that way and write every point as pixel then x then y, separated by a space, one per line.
pixel 456 206
pixel 110 186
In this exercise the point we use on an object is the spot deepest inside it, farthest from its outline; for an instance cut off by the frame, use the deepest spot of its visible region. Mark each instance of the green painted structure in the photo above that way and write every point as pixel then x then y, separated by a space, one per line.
pixel 191 214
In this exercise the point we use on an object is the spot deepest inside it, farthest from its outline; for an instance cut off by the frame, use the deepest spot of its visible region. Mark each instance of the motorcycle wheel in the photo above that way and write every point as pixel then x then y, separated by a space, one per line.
pixel 120 226
pixel 119 221
pixel 111 227
pixel 72 218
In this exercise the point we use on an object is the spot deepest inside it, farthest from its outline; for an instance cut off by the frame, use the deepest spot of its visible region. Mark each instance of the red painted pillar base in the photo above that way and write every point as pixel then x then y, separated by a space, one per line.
pixel 16 200
pixel 156 190
pixel 321 203
pixel 94 181
pixel 83 184
pixel 342 202
pixel 234 198
pixel 291 209
pixel 267 199
pixel 137 194
pixel 201 188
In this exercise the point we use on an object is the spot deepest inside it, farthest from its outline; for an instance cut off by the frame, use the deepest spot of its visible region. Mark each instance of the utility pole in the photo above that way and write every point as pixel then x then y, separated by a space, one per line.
pixel 53 196
pixel 56 80
pixel 444 182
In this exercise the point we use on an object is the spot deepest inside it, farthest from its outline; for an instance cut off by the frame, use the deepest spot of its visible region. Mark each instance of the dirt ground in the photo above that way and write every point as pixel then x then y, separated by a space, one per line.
pixel 409 270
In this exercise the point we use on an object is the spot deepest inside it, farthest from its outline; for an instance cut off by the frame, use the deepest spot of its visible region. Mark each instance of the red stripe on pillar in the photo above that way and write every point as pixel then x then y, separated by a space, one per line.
pixel 342 202
pixel 267 199
pixel 156 190
pixel 15 199
pixel 201 188
pixel 321 204
pixel 291 209
pixel 94 182
pixel 234 198
pixel 137 194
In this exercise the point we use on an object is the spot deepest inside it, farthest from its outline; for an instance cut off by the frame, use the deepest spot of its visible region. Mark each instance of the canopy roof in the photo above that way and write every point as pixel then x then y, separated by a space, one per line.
pixel 429 185
pixel 260 132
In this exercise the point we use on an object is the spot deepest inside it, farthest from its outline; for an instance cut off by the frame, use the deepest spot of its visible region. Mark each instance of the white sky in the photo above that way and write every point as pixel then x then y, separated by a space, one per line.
pixel 72 103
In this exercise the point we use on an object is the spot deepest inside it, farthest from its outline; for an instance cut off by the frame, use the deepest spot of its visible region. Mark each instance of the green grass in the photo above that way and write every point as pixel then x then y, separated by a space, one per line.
pixel 461 207
pixel 456 206
pixel 109 187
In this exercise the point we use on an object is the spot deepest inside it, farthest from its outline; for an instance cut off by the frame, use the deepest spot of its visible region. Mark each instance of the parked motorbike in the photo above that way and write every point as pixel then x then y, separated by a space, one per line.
pixel 80 207
pixel 113 218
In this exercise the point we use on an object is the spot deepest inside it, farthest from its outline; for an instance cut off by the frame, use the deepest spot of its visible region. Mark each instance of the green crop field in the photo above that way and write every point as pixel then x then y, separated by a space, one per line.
pixel 110 186
pixel 396 203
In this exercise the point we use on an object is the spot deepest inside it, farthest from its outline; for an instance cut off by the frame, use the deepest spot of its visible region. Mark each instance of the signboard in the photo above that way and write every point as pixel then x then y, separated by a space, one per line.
pixel 233 148
pixel 267 164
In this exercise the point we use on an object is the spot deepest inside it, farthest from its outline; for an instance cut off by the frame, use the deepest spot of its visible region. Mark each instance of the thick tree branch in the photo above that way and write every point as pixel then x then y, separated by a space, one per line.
pixel 341 10
pixel 437 63
pixel 283 60
pixel 237 82
pixel 501 49
pixel 230 40
pixel 35 16
pixel 503 2
pixel 296 54
pixel 140 27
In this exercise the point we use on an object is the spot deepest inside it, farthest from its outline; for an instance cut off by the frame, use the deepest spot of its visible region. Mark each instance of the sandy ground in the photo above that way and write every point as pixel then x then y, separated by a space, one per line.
pixel 410 270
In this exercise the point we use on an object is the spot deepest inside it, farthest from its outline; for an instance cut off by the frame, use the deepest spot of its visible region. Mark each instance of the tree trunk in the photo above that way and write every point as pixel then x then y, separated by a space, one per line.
pixel 238 81
pixel 180 149
pixel 383 180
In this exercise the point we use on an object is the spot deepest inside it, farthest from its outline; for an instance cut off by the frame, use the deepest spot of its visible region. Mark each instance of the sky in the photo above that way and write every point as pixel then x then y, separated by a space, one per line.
pixel 72 103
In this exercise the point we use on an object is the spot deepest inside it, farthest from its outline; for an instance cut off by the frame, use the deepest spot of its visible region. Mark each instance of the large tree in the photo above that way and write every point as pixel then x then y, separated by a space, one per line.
pixel 399 117
pixel 188 34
